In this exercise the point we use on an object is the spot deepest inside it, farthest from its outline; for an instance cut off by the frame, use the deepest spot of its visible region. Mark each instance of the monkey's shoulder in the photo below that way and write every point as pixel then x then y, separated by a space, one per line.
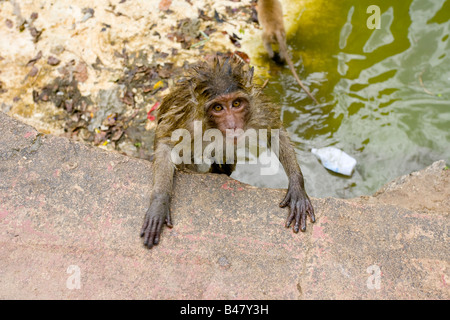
pixel 265 113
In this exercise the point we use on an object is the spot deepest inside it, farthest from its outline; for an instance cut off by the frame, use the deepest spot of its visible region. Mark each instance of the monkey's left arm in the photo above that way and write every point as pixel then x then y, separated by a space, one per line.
pixel 158 213
pixel 296 198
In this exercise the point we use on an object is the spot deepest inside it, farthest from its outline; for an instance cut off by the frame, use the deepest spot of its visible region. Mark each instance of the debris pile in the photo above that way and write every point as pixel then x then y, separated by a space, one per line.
pixel 122 117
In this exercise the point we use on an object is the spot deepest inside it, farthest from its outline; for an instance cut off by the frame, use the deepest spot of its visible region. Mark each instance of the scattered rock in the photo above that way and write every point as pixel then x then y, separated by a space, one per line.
pixel 164 5
pixel 80 72
pixel 53 61
pixel 9 23
pixel 88 13
pixel 139 84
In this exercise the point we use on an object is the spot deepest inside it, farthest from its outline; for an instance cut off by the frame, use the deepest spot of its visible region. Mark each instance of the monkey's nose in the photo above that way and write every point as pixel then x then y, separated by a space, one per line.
pixel 231 125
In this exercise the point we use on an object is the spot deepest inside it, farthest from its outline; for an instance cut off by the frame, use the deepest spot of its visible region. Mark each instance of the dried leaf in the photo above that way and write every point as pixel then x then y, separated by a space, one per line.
pixel 35 59
pixel 217 17
pixel 81 74
pixel 147 89
pixel 33 72
pixel 128 98
pixel 202 15
pixel 117 134
pixel 35 95
pixel 69 105
pixel 243 56
pixel 234 39
pixel 165 5
pixel 53 61
pixel 110 120
pixel 35 33
pixel 99 136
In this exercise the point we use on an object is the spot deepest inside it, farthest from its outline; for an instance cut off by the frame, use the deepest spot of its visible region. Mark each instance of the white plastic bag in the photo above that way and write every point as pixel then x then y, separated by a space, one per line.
pixel 335 160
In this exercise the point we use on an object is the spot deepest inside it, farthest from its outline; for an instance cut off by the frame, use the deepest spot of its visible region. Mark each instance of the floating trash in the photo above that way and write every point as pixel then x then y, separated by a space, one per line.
pixel 335 160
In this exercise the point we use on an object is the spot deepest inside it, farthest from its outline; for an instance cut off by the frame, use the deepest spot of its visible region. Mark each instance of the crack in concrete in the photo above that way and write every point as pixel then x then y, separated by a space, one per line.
pixel 31 148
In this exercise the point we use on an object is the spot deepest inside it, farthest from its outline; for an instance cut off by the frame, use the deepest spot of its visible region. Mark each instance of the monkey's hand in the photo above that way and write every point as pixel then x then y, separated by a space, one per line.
pixel 156 216
pixel 299 205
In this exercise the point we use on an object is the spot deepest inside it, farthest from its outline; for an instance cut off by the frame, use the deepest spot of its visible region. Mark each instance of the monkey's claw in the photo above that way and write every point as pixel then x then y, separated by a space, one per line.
pixel 157 215
pixel 299 207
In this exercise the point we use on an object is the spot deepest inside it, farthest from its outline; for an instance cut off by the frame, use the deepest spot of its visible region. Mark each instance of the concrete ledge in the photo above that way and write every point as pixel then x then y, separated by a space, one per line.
pixel 66 204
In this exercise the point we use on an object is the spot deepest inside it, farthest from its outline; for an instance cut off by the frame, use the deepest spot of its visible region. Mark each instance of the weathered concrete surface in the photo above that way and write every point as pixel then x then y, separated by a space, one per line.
pixel 63 203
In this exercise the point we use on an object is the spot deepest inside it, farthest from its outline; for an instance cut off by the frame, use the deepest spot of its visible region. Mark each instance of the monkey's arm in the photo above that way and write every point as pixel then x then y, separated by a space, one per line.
pixel 158 212
pixel 296 197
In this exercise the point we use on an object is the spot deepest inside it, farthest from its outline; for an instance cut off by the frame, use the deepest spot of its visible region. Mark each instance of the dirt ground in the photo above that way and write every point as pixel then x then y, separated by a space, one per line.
pixel 96 71
pixel 420 191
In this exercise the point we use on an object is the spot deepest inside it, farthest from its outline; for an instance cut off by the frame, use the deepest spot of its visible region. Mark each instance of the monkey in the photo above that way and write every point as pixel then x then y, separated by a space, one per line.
pixel 221 95
pixel 270 17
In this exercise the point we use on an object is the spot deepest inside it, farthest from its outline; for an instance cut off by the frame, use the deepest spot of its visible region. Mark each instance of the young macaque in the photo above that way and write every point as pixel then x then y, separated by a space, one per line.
pixel 218 94
pixel 270 17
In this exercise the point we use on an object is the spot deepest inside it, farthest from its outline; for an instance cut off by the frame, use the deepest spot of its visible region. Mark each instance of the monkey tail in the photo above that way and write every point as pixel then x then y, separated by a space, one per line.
pixel 283 49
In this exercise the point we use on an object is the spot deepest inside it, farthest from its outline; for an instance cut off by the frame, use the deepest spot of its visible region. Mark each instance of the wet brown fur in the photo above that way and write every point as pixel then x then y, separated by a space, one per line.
pixel 205 81
pixel 188 102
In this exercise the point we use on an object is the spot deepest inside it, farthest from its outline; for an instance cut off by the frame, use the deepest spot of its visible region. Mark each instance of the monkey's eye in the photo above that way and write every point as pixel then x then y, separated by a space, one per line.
pixel 217 107
pixel 236 103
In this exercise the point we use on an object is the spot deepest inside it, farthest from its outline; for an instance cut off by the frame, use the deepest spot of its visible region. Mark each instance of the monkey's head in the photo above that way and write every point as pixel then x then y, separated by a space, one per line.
pixel 223 88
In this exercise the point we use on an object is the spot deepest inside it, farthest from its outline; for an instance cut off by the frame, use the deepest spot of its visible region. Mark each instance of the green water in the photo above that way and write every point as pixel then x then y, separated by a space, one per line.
pixel 373 104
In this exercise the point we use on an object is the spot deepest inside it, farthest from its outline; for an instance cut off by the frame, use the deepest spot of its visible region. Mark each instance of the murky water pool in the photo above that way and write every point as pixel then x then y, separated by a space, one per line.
pixel 384 93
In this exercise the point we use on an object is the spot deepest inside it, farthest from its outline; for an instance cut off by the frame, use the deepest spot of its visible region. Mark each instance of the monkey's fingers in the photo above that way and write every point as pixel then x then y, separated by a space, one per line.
pixel 290 217
pixel 157 232
pixel 144 226
pixel 300 217
pixel 169 221
pixel 147 234
pixel 149 237
pixel 286 200
pixel 152 232
pixel 147 241
pixel 310 211
pixel 303 219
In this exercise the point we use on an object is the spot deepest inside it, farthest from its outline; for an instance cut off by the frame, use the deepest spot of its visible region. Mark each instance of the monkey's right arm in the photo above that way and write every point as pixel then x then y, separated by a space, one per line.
pixel 296 198
pixel 159 212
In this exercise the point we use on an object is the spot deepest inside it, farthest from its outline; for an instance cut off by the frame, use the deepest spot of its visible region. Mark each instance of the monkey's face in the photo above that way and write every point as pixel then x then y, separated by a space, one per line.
pixel 228 113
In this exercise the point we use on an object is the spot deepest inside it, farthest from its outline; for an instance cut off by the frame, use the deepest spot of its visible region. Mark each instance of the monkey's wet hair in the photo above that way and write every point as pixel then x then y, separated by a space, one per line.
pixel 221 76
